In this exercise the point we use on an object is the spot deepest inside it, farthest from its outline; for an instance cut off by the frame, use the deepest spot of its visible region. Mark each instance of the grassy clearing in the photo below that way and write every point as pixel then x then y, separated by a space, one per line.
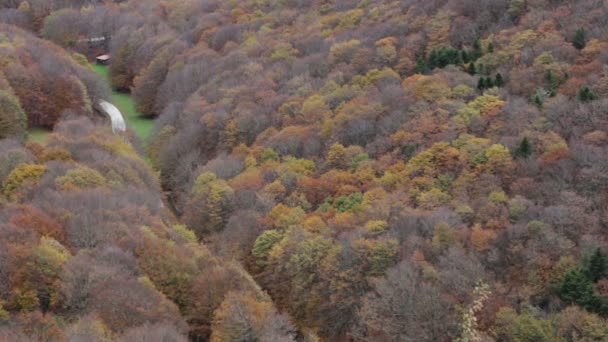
pixel 37 134
pixel 141 125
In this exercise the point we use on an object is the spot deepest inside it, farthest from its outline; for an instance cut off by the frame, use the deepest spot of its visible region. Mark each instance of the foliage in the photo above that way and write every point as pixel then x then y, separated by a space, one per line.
pixel 523 327
pixel 13 121
pixel 81 177
pixel 21 175
pixel 580 39
pixel 347 170
pixel 577 286
pixel 524 149
pixel 586 95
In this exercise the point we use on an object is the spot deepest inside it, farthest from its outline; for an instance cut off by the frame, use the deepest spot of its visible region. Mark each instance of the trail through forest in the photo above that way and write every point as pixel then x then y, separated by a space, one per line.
pixel 135 120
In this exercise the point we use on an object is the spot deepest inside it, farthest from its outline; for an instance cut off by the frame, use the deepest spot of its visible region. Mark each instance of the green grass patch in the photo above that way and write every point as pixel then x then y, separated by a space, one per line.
pixel 141 125
pixel 102 70
pixel 38 134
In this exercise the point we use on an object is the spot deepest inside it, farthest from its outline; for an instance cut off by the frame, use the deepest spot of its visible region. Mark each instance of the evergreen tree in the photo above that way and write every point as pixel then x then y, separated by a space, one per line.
pixel 433 59
pixel 580 39
pixel 552 82
pixel 538 100
pixel 481 84
pixel 421 66
pixel 489 82
pixel 597 266
pixel 490 47
pixel 471 69
pixel 444 56
pixel 585 94
pixel 499 81
pixel 464 56
pixel 477 50
pixel 576 288
pixel 524 150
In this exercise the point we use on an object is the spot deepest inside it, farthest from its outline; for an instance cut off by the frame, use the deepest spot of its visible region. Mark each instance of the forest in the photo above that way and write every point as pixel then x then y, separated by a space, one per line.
pixel 318 170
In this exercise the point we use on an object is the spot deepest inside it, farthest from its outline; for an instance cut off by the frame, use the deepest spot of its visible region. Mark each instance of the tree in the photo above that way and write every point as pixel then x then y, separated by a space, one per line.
pixel 263 245
pixel 552 82
pixel 471 68
pixel 477 49
pixel 208 293
pixel 63 26
pixel 242 317
pixel 481 83
pixel 516 8
pixel 170 267
pixel 469 327
pixel 525 327
pixel 153 332
pixel 499 81
pixel 336 156
pixel 597 266
pixel 465 56
pixel 575 324
pixel 489 82
pixel 421 66
pixel 499 159
pixel 13 120
pixel 147 83
pixel 538 100
pixel 576 288
pixel 585 94
pixel 209 205
pixel 444 56
pixel 22 174
pixel 403 307
pixel 81 177
pixel 524 149
pixel 43 269
pixel 579 40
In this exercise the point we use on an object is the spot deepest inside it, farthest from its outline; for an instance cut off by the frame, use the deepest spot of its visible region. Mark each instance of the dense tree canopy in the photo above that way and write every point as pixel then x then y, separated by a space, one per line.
pixel 334 170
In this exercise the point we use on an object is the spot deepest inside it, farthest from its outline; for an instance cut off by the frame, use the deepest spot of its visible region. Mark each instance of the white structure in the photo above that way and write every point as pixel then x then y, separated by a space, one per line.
pixel 118 122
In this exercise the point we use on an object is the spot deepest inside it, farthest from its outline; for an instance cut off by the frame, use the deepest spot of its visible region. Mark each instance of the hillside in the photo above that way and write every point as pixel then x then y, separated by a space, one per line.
pixel 344 170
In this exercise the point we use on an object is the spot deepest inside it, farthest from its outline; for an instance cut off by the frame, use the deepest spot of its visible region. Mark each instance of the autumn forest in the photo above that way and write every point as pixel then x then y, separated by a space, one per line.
pixel 304 170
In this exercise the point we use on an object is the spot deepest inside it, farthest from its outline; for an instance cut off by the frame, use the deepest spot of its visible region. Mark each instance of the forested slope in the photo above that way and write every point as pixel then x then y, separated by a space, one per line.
pixel 42 81
pixel 384 170
pixel 89 252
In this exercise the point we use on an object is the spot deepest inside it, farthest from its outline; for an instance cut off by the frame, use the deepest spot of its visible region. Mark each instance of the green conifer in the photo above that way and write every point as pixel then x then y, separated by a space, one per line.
pixel 580 39
pixel 499 81
pixel 471 69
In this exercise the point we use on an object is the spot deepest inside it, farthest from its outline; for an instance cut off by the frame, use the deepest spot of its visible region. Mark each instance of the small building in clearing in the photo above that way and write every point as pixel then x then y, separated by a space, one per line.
pixel 103 59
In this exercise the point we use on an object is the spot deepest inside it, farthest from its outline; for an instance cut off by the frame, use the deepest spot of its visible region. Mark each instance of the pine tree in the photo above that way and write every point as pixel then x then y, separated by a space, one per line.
pixel 524 150
pixel 538 100
pixel 433 60
pixel 464 56
pixel 489 82
pixel 580 39
pixel 499 81
pixel 585 94
pixel 481 84
pixel 490 47
pixel 477 50
pixel 597 267
pixel 421 66
pixel 471 69
pixel 576 288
